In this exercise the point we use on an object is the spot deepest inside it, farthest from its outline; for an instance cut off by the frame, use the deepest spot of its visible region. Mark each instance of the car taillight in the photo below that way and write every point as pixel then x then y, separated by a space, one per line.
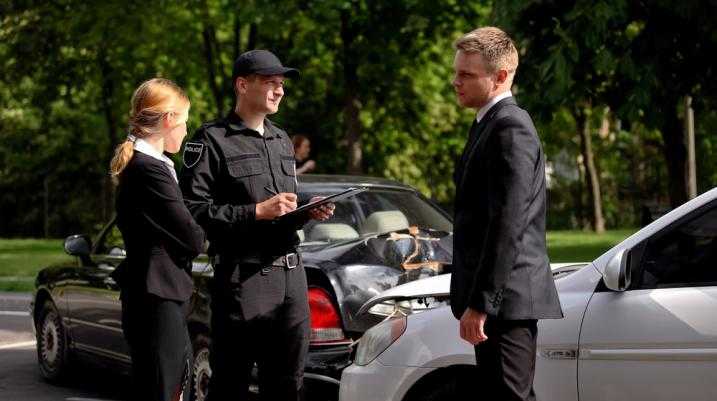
pixel 325 319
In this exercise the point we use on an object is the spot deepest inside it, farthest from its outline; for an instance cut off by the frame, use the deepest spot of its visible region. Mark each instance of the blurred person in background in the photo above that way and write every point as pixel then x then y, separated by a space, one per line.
pixel 302 149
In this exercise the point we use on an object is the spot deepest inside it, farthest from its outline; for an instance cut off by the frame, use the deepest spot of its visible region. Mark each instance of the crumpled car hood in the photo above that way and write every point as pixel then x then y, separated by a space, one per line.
pixel 403 250
pixel 440 286
pixel 363 268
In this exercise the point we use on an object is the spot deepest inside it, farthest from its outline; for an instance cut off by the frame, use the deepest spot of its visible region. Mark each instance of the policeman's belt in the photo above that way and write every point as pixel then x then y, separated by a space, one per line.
pixel 290 260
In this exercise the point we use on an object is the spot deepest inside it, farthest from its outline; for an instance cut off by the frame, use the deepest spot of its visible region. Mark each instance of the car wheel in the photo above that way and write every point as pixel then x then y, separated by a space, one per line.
pixel 201 371
pixel 443 389
pixel 52 348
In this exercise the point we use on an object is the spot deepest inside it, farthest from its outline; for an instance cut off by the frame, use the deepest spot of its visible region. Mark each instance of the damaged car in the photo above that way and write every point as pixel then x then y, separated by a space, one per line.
pixel 386 236
pixel 639 325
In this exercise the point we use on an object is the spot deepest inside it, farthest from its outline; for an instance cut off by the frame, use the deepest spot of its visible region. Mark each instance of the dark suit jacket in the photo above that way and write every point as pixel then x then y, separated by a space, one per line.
pixel 160 236
pixel 500 262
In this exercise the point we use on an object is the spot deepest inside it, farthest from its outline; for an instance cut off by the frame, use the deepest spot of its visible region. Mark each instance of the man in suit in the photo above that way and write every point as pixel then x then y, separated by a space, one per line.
pixel 501 283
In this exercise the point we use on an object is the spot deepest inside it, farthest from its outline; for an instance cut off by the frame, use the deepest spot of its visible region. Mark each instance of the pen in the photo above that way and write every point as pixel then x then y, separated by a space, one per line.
pixel 271 191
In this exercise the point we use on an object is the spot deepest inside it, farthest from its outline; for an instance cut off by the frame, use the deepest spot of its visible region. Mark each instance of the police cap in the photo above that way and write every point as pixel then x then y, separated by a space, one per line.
pixel 261 62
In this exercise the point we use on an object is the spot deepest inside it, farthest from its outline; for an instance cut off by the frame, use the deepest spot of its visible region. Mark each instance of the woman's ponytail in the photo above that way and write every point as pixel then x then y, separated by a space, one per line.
pixel 123 154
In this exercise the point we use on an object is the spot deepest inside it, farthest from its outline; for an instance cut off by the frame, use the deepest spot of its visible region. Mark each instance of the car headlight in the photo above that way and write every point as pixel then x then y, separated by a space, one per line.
pixel 406 307
pixel 378 338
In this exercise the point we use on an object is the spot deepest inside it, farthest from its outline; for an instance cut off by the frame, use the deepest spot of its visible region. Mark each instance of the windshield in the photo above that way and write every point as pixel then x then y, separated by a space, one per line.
pixel 376 211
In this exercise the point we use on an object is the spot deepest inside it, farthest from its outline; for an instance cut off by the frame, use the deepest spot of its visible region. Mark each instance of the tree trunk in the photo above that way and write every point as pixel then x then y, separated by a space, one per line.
pixel 690 139
pixel 209 59
pixel 211 56
pixel 675 152
pixel 352 105
pixel 237 36
pixel 108 89
pixel 604 130
pixel 239 47
pixel 253 36
pixel 591 175
pixel 638 179
pixel 578 193
pixel 46 206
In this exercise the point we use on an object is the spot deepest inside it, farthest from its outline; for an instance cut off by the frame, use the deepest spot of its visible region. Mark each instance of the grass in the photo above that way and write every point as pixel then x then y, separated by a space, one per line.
pixel 582 246
pixel 21 259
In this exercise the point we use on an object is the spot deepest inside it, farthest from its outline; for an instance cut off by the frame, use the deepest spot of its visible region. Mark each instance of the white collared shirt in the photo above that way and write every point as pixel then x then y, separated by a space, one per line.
pixel 143 146
pixel 484 110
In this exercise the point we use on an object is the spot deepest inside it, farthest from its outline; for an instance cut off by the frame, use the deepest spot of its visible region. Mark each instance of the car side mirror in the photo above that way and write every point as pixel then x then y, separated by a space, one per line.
pixel 78 245
pixel 117 252
pixel 617 271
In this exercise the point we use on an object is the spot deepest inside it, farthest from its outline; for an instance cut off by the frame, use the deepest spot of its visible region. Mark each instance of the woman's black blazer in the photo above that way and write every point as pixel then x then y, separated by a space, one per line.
pixel 160 236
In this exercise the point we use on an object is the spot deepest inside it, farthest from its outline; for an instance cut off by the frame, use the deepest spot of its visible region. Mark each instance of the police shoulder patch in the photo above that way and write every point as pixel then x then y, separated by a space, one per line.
pixel 192 153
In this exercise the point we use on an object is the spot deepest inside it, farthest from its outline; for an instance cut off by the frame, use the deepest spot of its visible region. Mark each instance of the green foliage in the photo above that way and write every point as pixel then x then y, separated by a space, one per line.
pixel 69 69
pixel 638 59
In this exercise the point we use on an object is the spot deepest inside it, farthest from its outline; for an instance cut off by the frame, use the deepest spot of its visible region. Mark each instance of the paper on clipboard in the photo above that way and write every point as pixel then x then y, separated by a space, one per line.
pixel 329 199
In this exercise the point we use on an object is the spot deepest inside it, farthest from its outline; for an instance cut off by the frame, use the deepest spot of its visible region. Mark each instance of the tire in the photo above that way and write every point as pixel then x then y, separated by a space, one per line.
pixel 444 387
pixel 53 354
pixel 201 371
pixel 443 391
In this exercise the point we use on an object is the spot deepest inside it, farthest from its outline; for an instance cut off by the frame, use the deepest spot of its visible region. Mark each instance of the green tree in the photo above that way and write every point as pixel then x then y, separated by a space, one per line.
pixel 566 64
pixel 663 61
pixel 70 69
pixel 374 91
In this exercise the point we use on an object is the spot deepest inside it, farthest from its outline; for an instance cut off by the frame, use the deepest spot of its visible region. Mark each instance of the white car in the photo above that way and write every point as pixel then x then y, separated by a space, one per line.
pixel 640 324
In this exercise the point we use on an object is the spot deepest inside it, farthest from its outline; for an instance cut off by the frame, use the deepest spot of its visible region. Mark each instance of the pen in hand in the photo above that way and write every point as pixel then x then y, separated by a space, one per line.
pixel 271 191
pixel 276 206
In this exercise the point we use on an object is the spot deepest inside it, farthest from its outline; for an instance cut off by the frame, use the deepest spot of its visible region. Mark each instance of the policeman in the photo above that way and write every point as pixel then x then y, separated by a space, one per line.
pixel 238 180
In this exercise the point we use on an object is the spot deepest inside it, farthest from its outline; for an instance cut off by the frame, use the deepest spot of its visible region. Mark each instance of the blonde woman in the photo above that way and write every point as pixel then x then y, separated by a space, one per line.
pixel 161 239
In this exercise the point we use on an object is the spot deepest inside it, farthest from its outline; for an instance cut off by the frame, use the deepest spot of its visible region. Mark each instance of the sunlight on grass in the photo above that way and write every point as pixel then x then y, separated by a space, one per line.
pixel 582 246
pixel 21 259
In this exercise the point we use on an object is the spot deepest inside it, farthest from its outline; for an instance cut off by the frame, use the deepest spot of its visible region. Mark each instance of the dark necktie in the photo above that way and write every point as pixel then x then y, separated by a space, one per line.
pixel 473 135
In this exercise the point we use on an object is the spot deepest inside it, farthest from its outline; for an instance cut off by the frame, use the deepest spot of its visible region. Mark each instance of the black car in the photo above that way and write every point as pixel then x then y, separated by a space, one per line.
pixel 385 236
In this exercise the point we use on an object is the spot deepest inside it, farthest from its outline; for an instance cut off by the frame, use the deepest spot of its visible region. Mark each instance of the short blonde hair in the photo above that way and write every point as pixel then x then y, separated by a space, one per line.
pixel 494 45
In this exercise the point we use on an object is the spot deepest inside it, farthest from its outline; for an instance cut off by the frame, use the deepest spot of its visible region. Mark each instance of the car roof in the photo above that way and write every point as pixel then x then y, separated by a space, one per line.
pixel 326 180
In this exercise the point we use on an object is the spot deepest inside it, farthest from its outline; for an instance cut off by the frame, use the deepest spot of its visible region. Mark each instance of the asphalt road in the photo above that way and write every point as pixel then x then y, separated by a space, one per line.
pixel 19 375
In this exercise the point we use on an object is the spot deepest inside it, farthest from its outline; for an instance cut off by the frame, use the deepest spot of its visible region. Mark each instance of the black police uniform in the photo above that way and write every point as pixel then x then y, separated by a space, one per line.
pixel 260 311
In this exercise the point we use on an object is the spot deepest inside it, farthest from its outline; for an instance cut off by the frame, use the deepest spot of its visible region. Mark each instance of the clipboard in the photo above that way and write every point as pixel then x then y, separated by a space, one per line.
pixel 329 199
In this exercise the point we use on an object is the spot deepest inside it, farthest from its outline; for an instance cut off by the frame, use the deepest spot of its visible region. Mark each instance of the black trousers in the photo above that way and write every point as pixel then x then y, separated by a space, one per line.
pixel 156 331
pixel 506 360
pixel 262 318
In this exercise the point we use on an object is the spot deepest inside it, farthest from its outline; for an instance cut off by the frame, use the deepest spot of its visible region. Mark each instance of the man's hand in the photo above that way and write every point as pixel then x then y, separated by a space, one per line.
pixel 472 323
pixel 323 212
pixel 276 206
